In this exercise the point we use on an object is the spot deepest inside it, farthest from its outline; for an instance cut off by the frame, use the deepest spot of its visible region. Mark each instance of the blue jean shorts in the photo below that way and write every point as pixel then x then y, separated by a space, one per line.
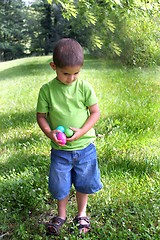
pixel 79 168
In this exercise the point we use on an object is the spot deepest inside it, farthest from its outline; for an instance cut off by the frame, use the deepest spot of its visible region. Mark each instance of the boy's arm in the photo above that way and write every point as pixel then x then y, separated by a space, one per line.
pixel 43 124
pixel 92 119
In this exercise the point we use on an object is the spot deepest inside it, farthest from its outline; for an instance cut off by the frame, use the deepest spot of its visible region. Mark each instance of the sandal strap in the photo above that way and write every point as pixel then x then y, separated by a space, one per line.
pixel 57 221
pixel 85 218
pixel 54 226
pixel 80 225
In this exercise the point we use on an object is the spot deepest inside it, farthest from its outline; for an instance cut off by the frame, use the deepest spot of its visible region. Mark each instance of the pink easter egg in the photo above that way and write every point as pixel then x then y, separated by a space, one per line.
pixel 61 136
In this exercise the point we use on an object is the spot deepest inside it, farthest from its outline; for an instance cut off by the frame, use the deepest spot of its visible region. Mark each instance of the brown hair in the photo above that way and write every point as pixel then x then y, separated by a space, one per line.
pixel 68 52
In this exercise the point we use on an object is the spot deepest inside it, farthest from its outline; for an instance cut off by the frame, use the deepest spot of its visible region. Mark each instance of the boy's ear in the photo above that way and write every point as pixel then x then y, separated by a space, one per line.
pixel 53 66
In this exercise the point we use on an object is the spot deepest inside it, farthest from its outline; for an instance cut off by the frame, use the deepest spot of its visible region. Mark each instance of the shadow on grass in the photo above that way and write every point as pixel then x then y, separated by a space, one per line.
pixel 128 219
pixel 21 143
pixel 25 69
pixel 136 168
pixel 34 68
pixel 18 119
pixel 25 192
pixel 127 122
pixel 22 161
pixel 137 164
pixel 98 64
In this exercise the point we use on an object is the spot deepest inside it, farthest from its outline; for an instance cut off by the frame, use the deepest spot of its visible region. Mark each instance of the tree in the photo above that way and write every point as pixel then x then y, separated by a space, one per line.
pixel 104 27
pixel 46 26
pixel 12 17
pixel 109 24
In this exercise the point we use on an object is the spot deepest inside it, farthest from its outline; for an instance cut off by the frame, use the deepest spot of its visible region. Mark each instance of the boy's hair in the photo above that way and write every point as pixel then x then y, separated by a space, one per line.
pixel 68 53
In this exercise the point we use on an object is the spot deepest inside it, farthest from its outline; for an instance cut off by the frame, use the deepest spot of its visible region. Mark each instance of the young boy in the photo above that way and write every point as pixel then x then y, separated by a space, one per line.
pixel 70 102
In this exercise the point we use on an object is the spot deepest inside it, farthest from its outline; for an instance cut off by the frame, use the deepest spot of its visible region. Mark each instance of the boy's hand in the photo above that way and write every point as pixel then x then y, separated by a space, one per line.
pixel 90 122
pixel 77 134
pixel 53 136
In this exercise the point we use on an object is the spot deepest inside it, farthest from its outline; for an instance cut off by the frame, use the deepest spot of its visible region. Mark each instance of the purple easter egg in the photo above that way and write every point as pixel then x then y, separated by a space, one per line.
pixel 61 136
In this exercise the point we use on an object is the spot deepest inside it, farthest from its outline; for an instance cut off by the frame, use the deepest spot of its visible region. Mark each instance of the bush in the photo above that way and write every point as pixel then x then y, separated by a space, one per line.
pixel 139 41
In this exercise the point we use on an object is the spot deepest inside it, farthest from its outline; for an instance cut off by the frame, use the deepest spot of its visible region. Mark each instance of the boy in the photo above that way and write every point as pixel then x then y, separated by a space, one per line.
pixel 72 103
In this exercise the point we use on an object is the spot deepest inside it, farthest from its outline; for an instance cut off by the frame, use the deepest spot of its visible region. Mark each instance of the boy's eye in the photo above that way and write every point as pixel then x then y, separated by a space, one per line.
pixel 67 74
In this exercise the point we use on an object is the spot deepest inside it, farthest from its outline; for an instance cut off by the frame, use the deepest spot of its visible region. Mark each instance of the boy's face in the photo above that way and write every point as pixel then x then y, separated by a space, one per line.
pixel 66 75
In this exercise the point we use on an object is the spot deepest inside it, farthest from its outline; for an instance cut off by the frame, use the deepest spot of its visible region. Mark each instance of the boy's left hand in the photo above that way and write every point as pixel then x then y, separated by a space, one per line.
pixel 77 134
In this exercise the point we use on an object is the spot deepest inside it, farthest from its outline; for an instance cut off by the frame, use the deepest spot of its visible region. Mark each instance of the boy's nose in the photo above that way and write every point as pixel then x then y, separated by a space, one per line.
pixel 71 77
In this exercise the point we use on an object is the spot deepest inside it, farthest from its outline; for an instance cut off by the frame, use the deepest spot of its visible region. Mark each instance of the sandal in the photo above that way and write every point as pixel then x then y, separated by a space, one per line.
pixel 54 226
pixel 81 226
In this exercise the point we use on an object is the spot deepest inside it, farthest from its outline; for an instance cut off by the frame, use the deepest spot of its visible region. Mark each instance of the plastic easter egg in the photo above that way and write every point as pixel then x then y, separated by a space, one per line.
pixel 60 128
pixel 61 136
pixel 69 133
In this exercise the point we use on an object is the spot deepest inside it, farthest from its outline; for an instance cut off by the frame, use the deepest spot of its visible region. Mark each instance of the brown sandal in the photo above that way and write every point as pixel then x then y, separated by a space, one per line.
pixel 54 226
pixel 81 227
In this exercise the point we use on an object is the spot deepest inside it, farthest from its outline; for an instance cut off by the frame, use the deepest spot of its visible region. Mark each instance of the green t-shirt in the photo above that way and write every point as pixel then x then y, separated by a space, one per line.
pixel 67 105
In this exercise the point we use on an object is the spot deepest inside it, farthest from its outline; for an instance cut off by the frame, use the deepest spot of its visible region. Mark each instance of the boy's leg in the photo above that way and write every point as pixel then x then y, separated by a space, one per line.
pixel 62 205
pixel 82 200
pixel 55 224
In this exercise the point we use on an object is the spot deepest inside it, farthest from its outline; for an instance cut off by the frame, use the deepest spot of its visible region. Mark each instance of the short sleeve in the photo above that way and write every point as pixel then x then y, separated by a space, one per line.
pixel 90 96
pixel 42 103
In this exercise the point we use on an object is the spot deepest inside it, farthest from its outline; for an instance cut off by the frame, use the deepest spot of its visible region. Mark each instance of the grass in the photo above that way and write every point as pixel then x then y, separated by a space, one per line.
pixel 128 151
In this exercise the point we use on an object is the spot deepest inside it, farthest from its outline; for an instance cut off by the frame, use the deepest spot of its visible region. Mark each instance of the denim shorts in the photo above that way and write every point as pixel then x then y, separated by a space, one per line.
pixel 79 167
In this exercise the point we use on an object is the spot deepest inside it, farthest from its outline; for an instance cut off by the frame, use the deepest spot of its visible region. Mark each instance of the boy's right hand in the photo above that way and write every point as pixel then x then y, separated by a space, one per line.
pixel 53 136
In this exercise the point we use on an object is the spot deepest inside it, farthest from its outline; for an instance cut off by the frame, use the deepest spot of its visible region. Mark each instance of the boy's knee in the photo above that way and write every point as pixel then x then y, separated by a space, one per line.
pixel 58 192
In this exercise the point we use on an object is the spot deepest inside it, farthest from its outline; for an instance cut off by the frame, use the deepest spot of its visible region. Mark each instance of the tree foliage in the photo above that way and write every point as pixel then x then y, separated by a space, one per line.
pixel 12 41
pixel 117 25
pixel 123 29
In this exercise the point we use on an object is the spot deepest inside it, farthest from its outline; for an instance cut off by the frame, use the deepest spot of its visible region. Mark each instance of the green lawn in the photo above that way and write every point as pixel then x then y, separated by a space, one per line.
pixel 128 146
